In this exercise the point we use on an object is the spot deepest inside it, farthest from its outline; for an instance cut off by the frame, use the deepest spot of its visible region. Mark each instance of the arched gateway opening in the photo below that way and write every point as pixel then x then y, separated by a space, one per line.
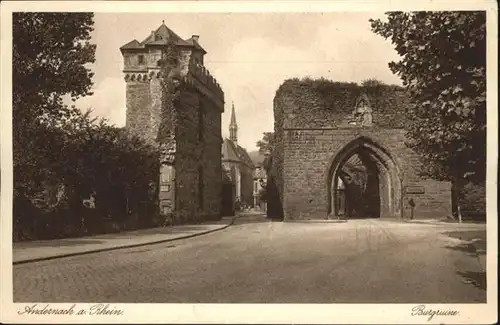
pixel 364 182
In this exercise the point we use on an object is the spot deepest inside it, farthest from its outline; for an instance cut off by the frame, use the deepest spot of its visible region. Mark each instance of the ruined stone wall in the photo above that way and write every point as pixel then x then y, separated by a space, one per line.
pixel 198 155
pixel 325 104
pixel 211 159
pixel 188 155
pixel 311 129
pixel 276 177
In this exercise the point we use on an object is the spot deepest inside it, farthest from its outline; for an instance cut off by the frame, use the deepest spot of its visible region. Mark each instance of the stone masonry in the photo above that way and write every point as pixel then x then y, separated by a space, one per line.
pixel 319 124
pixel 190 175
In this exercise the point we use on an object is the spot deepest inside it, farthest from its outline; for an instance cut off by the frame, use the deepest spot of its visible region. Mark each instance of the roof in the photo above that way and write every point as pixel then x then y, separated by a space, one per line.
pixel 160 37
pixel 132 45
pixel 234 153
pixel 233 117
pixel 192 42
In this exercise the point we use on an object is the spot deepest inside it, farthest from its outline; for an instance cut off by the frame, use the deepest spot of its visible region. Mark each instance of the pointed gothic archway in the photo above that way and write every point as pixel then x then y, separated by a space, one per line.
pixel 364 181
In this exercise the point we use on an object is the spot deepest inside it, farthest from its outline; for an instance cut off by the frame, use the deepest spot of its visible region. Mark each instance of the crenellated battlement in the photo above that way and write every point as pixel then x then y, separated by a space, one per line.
pixel 200 77
pixel 137 77
pixel 197 76
pixel 143 76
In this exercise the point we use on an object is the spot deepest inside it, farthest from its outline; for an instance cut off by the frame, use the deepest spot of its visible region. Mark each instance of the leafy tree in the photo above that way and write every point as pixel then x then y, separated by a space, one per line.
pixel 88 156
pixel 50 54
pixel 270 193
pixel 443 66
pixel 372 82
pixel 265 146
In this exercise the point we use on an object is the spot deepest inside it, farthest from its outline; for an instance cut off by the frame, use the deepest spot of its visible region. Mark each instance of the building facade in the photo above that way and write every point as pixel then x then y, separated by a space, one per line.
pixel 259 185
pixel 190 174
pixel 340 152
pixel 237 162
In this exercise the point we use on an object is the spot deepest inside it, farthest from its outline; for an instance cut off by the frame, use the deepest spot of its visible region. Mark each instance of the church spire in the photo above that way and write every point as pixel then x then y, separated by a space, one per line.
pixel 233 127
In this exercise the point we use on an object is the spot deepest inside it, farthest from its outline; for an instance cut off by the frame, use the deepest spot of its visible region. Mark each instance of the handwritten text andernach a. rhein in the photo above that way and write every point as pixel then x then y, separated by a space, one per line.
pixel 94 310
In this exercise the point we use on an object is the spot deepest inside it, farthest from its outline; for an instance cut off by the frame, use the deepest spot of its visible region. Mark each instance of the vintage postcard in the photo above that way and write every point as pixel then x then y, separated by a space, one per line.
pixel 278 162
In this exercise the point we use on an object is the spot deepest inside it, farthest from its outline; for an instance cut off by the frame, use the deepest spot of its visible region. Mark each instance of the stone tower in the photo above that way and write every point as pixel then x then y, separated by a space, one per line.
pixel 233 127
pixel 189 178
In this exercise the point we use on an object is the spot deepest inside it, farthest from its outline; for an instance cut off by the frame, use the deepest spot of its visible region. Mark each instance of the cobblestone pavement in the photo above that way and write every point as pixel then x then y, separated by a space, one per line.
pixel 258 261
pixel 46 249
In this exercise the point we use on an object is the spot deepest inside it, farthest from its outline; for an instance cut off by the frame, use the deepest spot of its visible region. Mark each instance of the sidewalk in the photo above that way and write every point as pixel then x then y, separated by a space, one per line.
pixel 446 222
pixel 472 239
pixel 468 231
pixel 477 239
pixel 480 246
pixel 24 252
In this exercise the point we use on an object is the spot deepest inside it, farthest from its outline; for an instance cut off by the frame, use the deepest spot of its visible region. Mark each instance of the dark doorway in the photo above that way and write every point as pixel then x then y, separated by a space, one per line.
pixel 357 188
pixel 364 182
pixel 227 202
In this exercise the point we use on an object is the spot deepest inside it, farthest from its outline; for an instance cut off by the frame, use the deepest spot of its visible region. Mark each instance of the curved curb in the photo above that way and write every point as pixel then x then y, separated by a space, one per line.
pixel 123 247
pixel 479 255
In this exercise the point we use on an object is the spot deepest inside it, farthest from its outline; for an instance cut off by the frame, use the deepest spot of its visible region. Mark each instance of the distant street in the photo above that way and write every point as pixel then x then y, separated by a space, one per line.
pixel 259 261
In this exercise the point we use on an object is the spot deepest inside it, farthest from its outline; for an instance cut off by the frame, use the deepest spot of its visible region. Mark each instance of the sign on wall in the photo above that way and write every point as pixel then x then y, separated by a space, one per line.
pixel 415 190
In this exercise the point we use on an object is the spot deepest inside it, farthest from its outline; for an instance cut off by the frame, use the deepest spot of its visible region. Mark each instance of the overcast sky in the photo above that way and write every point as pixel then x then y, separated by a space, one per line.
pixel 249 54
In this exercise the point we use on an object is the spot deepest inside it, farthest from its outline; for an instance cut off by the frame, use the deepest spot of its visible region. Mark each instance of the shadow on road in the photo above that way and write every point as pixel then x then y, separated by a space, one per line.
pixel 476 241
pixel 469 249
pixel 478 279
pixel 474 246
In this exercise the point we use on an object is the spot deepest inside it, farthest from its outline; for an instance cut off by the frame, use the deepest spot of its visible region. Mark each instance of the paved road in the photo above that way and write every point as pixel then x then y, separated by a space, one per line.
pixel 257 261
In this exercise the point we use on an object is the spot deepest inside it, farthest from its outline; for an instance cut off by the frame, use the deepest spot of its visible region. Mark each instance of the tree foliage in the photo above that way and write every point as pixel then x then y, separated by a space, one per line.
pixel 269 193
pixel 61 154
pixel 265 146
pixel 372 82
pixel 265 143
pixel 50 54
pixel 84 157
pixel 443 66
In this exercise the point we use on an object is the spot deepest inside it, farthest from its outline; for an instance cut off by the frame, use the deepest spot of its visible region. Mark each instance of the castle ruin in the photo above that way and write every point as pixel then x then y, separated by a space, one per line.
pixel 340 153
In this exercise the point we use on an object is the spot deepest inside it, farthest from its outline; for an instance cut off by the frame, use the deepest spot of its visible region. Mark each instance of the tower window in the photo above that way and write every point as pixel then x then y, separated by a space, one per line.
pixel 141 59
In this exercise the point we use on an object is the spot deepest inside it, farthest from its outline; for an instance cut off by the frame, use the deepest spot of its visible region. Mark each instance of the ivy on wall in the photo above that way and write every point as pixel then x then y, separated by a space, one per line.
pixel 316 103
pixel 324 103
pixel 171 84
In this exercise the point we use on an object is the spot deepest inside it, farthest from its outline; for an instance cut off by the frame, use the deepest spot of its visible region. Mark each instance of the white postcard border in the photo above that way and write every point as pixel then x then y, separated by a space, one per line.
pixel 249 313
